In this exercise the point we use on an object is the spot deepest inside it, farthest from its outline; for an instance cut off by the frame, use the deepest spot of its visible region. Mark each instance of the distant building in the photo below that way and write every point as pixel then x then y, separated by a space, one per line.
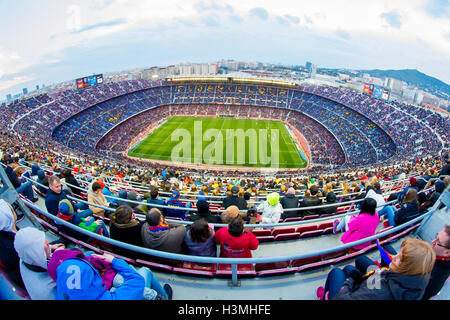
pixel 37 87
pixel 8 97
pixel 313 71
pixel 308 65
pixel 395 85
pixel 429 99
pixel 25 90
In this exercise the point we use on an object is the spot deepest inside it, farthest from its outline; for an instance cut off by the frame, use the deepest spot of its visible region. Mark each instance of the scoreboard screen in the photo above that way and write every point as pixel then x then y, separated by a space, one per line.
pixel 376 91
pixel 89 81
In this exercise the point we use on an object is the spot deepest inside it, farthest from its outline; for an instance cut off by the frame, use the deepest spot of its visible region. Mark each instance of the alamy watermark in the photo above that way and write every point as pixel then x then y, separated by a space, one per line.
pixel 213 152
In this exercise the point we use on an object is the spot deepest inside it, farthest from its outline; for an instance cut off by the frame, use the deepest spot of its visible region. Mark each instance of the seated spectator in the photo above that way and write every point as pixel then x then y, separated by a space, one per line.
pixel 234 241
pixel 289 201
pixel 406 279
pixel 96 196
pixel 445 170
pixel 70 179
pixel 35 251
pixel 375 193
pixel 310 200
pixel 271 209
pixel 8 230
pixel 234 200
pixel 175 202
pixel 408 211
pixel 441 269
pixel 204 213
pixel 159 235
pixel 83 219
pixel 55 195
pixel 22 186
pixel 90 285
pixel 359 226
pixel 154 199
pixel 111 279
pixel 42 178
pixel 200 239
pixel 439 188
pixel 126 228
pixel 230 213
pixel 330 199
pixel 413 184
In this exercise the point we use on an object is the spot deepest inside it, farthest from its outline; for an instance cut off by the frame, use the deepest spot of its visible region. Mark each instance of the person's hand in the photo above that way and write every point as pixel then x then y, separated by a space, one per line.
pixel 106 257
pixel 58 246
pixel 87 218
pixel 79 210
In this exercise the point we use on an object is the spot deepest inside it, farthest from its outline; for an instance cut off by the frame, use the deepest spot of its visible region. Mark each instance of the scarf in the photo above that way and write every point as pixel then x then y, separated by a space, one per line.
pixel 442 258
pixel 159 228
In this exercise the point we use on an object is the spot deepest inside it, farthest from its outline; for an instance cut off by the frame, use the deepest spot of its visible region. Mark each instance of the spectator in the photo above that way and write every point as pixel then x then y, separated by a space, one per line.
pixel 22 187
pixel 359 226
pixel 271 209
pixel 406 278
pixel 204 213
pixel 55 195
pixel 445 170
pixel 289 201
pixel 230 213
pixel 42 178
pixel 159 235
pixel 234 241
pixel 175 202
pixel 90 286
pixel 34 252
pixel 154 199
pixel 83 219
pixel 70 179
pixel 126 228
pixel 375 193
pixel 234 200
pixel 408 210
pixel 95 196
pixel 330 199
pixel 311 200
pixel 8 230
pixel 200 239
pixel 439 188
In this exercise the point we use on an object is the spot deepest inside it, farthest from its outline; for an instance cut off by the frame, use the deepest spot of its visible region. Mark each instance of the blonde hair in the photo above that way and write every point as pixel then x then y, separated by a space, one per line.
pixel 417 257
pixel 411 196
pixel 229 214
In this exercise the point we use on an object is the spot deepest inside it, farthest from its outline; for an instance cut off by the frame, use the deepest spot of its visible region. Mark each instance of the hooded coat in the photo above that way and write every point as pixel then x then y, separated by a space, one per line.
pixel 97 199
pixel 288 202
pixel 29 244
pixel 388 286
pixel 77 279
pixel 169 240
pixel 271 209
pixel 203 212
pixel 8 256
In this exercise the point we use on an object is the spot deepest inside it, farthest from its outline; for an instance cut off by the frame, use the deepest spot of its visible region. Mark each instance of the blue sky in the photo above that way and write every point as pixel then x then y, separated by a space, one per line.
pixel 45 41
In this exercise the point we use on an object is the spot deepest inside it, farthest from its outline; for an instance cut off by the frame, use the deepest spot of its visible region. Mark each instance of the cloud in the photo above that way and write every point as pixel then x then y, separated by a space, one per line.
pixel 14 81
pixel 287 19
pixel 212 5
pixel 211 20
pixel 342 34
pixel 438 8
pixel 260 13
pixel 392 18
pixel 101 25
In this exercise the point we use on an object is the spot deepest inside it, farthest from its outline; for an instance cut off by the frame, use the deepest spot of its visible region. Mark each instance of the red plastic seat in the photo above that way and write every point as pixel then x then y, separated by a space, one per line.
pixel 287 236
pixel 310 234
pixel 265 239
pixel 325 225
pixel 276 232
pixel 262 232
pixel 327 230
pixel 313 216
pixel 306 228
pixel 292 219
pixel 196 269
pixel 271 265
pixel 305 261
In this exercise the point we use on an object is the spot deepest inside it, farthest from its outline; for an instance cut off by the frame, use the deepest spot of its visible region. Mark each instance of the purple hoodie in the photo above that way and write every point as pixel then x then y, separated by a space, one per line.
pixel 104 268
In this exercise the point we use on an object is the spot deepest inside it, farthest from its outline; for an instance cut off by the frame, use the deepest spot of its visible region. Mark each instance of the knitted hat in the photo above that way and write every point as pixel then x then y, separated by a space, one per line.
pixel 175 195
pixel 234 190
pixel 273 198
pixel 413 182
pixel 65 207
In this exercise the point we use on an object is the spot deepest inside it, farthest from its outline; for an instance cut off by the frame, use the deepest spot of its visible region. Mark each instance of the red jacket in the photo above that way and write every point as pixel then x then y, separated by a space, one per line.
pixel 236 247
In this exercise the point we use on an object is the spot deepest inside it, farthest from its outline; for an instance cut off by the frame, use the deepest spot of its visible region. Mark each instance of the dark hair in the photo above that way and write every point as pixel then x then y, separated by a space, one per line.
pixel 153 217
pixel 369 206
pixel 200 231
pixel 314 190
pixel 376 186
pixel 96 186
pixel 236 227
pixel 123 214
pixel 153 192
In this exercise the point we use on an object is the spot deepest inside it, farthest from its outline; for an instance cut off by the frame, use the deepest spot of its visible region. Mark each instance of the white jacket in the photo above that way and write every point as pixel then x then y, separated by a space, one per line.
pixel 270 214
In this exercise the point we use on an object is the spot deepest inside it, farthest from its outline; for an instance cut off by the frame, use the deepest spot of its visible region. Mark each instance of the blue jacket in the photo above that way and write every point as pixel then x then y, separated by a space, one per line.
pixel 52 200
pixel 77 279
pixel 158 202
pixel 174 212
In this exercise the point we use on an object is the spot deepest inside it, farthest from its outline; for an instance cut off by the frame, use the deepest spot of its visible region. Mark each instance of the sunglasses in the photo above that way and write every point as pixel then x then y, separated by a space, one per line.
pixel 436 241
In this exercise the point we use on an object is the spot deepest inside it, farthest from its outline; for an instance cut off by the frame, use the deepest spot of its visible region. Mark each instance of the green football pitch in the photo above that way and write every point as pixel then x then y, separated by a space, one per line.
pixel 221 141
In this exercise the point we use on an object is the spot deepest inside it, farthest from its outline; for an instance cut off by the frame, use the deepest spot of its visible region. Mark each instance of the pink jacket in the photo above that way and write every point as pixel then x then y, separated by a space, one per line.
pixel 361 226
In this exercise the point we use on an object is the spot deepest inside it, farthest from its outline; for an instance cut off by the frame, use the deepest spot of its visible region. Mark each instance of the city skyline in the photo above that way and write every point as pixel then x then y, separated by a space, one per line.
pixel 59 41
